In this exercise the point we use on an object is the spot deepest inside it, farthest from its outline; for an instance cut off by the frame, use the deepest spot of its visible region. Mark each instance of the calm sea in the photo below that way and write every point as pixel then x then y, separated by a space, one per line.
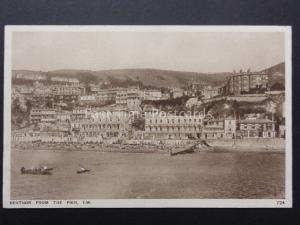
pixel 151 175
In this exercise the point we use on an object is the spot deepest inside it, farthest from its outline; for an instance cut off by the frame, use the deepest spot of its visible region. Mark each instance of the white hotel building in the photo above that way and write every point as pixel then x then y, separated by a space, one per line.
pixel 172 127
pixel 96 130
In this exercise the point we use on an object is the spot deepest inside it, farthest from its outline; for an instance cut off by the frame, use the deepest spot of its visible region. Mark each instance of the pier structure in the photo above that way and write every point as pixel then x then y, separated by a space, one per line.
pixel 191 147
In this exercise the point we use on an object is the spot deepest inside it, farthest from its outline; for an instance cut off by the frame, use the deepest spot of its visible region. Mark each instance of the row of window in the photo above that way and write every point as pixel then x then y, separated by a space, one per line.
pixel 214 123
pixel 173 120
pixel 100 126
pixel 254 126
pixel 172 128
pixel 97 134
pixel 41 134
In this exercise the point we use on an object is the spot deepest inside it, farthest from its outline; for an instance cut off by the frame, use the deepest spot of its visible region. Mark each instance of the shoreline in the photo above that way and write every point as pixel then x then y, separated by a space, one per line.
pixel 214 145
pixel 214 149
pixel 92 150
pixel 249 149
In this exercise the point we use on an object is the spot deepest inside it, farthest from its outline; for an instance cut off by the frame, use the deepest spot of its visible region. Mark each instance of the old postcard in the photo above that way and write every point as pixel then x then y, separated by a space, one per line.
pixel 147 116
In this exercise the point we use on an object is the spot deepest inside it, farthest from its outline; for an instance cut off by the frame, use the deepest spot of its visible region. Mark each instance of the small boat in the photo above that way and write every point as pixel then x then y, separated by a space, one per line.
pixel 45 168
pixel 83 170
pixel 35 171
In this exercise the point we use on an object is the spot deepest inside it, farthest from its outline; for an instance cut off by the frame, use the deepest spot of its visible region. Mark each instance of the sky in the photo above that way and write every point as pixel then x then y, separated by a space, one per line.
pixel 182 51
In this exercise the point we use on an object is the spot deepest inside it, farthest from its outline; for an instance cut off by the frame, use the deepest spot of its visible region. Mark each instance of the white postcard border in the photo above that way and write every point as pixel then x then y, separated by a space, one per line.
pixel 146 203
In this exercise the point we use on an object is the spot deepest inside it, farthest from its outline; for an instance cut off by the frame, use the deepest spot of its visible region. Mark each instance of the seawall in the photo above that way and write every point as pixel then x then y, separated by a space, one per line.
pixel 265 143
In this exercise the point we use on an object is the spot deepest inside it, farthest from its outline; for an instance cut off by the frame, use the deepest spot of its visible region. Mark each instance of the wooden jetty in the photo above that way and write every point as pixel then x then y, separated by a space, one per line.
pixel 190 148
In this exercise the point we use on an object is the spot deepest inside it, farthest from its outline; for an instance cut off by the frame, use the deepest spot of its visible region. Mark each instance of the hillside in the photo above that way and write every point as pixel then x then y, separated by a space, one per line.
pixel 277 73
pixel 279 68
pixel 151 77
pixel 148 77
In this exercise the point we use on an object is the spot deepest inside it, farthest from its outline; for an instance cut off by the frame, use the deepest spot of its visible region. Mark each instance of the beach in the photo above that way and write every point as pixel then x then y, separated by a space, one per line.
pixel 250 144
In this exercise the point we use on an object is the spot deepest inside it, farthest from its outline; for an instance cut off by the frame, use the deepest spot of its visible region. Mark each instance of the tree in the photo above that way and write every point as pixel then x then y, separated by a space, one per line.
pixel 20 112
pixel 277 87
pixel 139 123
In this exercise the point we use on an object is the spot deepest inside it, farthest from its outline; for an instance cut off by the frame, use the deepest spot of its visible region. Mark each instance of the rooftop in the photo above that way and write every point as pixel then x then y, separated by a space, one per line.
pixel 242 73
pixel 255 121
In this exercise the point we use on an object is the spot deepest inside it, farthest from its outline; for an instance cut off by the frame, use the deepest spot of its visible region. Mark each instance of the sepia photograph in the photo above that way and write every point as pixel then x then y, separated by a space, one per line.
pixel 147 116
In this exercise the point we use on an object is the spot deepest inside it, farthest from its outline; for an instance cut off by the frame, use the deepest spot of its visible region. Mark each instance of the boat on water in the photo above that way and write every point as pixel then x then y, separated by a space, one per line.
pixel 45 168
pixel 82 170
pixel 36 171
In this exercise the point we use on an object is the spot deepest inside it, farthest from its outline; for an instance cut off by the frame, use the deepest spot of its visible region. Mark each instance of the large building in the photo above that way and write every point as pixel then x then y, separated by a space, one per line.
pixel 222 89
pixel 80 113
pixel 124 94
pixel 130 97
pixel 219 128
pixel 65 80
pixel 100 123
pixel 185 127
pixel 95 88
pixel 23 90
pixel 151 95
pixel 198 86
pixel 210 92
pixel 41 136
pixel 87 98
pixel 121 96
pixel 247 82
pixel 172 127
pixel 56 94
pixel 177 92
pixel 71 90
pixel 33 77
pixel 97 129
pixel 256 128
pixel 41 95
pixel 38 115
pixel 107 95
pixel 52 134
